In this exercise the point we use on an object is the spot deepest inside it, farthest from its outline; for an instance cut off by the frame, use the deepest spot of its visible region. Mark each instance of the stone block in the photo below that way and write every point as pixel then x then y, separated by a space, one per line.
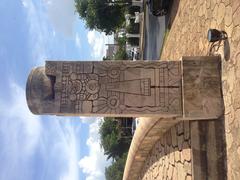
pixel 202 92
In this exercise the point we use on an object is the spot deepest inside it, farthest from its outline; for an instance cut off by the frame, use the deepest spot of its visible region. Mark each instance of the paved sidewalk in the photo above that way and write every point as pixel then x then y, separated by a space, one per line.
pixel 187 37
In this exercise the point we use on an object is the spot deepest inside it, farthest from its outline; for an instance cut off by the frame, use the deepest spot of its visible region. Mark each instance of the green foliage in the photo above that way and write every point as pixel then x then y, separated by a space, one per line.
pixel 101 15
pixel 111 139
pixel 121 53
pixel 81 7
pixel 121 41
pixel 115 142
pixel 115 171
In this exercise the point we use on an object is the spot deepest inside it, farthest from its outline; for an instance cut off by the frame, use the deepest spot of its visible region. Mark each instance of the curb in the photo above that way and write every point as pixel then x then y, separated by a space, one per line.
pixel 142 31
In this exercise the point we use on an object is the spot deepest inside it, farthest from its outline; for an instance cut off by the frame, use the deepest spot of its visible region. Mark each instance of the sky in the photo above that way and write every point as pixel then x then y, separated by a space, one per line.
pixel 45 147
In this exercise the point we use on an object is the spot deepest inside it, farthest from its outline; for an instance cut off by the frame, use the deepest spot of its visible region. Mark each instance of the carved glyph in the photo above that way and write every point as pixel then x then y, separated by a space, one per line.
pixel 118 88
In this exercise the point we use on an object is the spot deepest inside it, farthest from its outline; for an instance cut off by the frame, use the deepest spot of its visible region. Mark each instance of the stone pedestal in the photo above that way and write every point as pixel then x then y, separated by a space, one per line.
pixel 202 95
pixel 186 89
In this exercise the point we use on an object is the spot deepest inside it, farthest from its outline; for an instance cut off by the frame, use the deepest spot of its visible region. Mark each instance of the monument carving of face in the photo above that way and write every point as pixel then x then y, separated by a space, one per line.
pixel 40 89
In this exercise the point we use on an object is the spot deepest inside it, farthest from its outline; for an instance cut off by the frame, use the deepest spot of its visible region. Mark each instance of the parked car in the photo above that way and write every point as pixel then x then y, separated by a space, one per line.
pixel 135 55
pixel 158 7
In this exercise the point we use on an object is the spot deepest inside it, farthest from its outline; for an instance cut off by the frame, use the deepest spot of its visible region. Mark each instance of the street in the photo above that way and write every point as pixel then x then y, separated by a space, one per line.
pixel 154 33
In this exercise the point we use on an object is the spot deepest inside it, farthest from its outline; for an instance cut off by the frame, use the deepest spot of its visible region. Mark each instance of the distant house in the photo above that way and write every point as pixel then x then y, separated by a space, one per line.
pixel 110 51
pixel 112 48
pixel 126 125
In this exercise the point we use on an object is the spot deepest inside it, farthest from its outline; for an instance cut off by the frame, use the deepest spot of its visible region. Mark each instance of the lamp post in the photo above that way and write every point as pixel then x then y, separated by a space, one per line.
pixel 215 35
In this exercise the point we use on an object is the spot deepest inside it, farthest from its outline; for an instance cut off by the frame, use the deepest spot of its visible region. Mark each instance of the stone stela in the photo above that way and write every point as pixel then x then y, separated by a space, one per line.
pixel 187 89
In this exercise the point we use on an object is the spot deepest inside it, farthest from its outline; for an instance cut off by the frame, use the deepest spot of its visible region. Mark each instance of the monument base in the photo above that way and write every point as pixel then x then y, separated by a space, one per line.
pixel 202 87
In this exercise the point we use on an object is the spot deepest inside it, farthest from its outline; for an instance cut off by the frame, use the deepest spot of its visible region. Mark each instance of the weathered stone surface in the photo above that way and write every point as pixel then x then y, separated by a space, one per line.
pixel 203 97
pixel 186 154
pixel 121 88
pixel 229 29
pixel 179 128
pixel 172 164
pixel 236 34
pixel 180 140
pixel 127 88
pixel 181 172
pixel 187 167
pixel 228 16
pixel 186 130
pixel 236 20
pixel 220 13
pixel 174 136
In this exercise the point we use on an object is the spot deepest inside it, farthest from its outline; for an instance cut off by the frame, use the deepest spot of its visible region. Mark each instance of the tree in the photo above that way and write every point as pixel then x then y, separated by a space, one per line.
pixel 121 54
pixel 115 171
pixel 101 15
pixel 112 142
pixel 113 133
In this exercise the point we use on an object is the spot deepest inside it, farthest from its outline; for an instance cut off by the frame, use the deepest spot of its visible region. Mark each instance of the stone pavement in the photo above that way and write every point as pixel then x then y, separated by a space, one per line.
pixel 170 157
pixel 187 37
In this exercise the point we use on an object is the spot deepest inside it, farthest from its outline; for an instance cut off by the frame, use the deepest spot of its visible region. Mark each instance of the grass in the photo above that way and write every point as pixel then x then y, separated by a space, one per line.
pixel 164 40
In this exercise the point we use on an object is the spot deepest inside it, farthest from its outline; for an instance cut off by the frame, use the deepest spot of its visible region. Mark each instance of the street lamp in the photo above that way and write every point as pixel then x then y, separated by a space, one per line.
pixel 215 35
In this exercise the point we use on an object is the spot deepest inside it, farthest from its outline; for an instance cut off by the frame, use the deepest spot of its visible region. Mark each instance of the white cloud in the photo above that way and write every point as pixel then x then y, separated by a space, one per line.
pixel 89 120
pixel 20 133
pixel 54 33
pixel 24 3
pixel 62 15
pixel 94 164
pixel 23 123
pixel 98 43
pixel 71 152
pixel 24 137
pixel 45 19
pixel 77 41
pixel 38 29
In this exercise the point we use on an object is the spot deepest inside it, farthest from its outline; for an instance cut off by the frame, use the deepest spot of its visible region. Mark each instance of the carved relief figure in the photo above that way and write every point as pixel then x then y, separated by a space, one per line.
pixel 116 88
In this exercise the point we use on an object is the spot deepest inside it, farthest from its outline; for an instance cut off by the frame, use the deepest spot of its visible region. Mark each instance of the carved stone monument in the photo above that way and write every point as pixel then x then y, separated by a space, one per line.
pixel 184 89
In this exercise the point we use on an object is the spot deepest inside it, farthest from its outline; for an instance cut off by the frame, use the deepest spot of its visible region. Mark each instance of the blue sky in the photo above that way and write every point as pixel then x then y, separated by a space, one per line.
pixel 44 147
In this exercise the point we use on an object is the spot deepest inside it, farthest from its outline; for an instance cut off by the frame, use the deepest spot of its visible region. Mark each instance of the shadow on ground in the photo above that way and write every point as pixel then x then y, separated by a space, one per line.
pixel 173 8
pixel 214 49
pixel 212 149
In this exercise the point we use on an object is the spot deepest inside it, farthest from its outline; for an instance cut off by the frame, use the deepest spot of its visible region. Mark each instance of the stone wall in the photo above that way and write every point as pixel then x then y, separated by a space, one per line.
pixel 178 150
pixel 170 157
pixel 189 150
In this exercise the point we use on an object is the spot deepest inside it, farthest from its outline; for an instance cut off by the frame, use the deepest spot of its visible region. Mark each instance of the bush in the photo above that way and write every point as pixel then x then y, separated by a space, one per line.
pixel 115 171
pixel 121 55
